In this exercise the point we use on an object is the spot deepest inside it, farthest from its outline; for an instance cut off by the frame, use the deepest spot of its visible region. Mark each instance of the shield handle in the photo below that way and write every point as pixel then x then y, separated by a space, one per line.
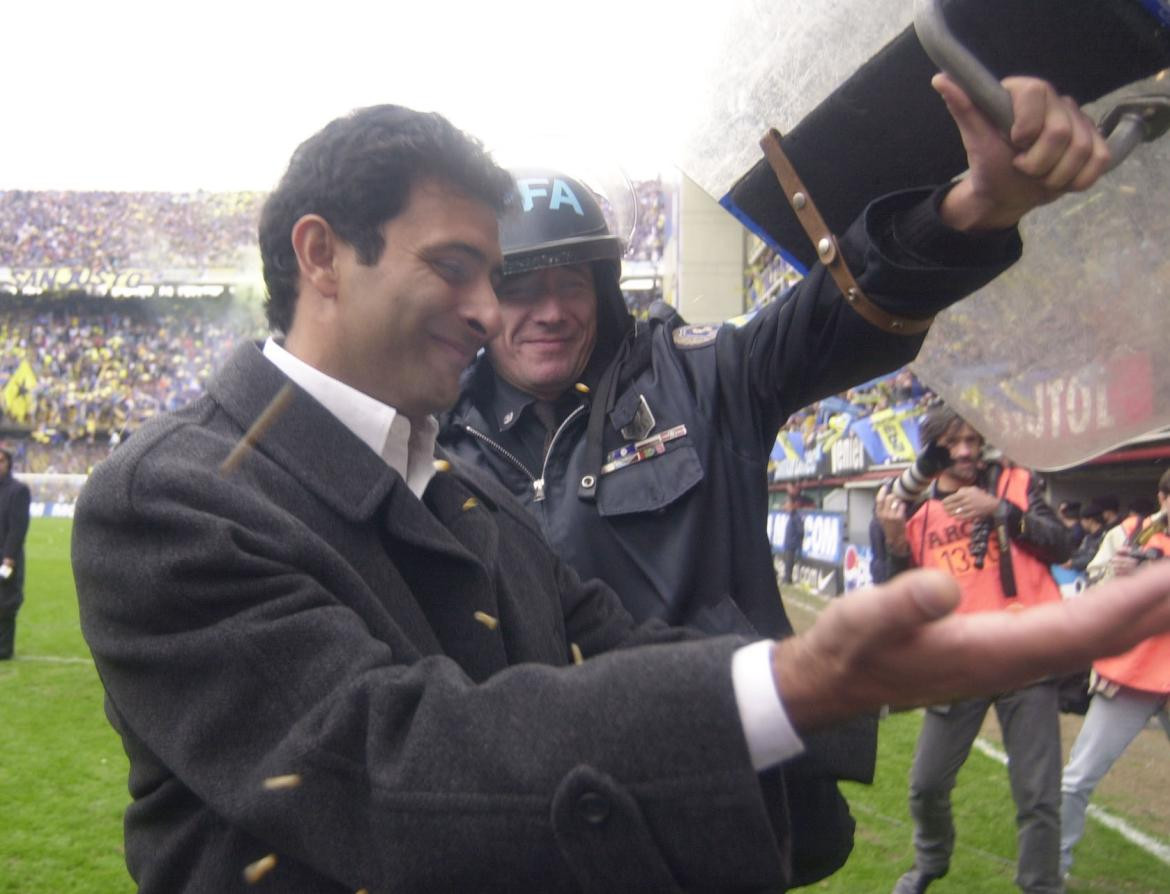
pixel 1124 129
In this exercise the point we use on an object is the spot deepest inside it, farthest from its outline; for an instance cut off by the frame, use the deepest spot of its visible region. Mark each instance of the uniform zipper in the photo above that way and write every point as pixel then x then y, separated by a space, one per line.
pixel 537 483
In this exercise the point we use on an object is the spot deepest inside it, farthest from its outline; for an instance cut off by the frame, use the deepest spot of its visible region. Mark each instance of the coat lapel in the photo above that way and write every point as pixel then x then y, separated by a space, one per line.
pixel 444 548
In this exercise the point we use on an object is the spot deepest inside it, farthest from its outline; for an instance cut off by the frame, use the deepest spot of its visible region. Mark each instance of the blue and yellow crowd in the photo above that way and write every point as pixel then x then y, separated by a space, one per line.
pixel 78 372
pixel 95 369
pixel 114 231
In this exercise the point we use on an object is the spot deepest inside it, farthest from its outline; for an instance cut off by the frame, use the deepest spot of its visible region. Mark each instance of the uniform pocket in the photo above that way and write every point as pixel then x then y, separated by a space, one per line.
pixel 650 485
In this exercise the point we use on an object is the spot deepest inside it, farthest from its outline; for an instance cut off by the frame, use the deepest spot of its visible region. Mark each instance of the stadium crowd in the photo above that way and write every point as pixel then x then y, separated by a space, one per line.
pixel 103 366
pixel 116 231
pixel 824 419
pixel 650 228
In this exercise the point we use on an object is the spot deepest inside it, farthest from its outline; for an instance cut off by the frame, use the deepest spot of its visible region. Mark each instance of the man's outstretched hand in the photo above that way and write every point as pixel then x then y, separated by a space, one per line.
pixel 900 645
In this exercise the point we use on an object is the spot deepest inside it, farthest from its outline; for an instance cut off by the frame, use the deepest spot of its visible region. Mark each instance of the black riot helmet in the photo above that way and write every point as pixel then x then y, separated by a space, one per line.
pixel 553 220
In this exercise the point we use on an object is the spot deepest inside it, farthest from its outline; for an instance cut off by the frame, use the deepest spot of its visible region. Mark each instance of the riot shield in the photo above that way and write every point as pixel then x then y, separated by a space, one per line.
pixel 848 84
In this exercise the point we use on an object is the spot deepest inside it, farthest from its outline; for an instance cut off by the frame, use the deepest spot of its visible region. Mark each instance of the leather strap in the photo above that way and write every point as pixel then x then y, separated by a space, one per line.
pixel 826 245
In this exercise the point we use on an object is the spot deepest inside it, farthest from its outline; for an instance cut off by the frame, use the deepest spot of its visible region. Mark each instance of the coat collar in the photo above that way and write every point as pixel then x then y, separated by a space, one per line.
pixel 308 440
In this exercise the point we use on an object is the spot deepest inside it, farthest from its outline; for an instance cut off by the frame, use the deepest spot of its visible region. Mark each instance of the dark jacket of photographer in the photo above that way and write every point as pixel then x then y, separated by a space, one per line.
pixel 971 550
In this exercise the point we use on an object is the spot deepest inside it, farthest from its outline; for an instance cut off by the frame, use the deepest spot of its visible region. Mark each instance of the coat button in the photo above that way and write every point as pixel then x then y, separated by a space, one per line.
pixel 593 808
pixel 487 620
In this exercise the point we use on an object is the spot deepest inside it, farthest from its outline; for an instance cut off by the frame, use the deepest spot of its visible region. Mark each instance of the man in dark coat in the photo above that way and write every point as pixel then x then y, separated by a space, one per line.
pixel 793 535
pixel 14 503
pixel 338 662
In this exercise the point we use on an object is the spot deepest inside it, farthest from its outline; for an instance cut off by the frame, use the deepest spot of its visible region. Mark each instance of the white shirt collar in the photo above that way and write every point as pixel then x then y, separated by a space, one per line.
pixel 409 450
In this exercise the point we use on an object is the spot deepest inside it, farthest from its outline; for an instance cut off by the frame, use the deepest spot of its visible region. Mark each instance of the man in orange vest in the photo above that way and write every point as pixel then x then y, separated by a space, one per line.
pixel 988 526
pixel 1129 688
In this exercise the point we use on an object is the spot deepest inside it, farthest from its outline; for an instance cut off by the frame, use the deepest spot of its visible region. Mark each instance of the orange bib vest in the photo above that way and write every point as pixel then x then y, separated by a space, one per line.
pixel 939 540
pixel 1147 665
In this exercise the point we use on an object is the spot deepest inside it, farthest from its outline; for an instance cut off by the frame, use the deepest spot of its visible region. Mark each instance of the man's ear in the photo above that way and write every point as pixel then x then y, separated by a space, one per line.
pixel 316 247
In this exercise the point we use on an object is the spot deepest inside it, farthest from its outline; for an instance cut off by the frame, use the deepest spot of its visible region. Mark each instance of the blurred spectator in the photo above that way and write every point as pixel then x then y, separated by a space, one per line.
pixel 1110 508
pixel 1093 524
pixel 1141 507
pixel 793 534
pixel 1070 515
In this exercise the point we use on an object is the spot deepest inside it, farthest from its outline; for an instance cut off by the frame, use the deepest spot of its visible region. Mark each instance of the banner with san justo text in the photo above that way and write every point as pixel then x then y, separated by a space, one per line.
pixel 1093 403
pixel 134 283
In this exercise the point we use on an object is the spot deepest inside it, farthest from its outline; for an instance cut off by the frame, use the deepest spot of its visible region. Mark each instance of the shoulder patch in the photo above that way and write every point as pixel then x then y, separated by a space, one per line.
pixel 695 336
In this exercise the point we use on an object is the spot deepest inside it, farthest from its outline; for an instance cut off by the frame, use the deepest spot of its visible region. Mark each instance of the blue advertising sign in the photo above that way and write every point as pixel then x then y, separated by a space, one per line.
pixel 824 534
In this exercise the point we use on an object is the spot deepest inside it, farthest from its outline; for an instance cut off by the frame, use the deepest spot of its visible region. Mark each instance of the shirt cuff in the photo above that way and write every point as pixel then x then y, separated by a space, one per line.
pixel 766 727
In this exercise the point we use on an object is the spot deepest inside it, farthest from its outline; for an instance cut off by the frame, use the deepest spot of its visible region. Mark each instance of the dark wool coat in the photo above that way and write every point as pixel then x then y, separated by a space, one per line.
pixel 14 504
pixel 306 614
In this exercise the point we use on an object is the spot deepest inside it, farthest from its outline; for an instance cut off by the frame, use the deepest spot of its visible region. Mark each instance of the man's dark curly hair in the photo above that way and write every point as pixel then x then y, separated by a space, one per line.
pixel 357 173
pixel 938 422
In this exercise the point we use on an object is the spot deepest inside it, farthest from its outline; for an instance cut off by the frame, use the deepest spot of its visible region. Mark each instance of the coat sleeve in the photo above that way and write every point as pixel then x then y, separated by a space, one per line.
pixel 17 509
pixel 1037 528
pixel 229 656
pixel 808 343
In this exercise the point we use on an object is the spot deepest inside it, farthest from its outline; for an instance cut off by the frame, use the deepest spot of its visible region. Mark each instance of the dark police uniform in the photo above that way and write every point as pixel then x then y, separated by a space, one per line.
pixel 679 527
pixel 666 499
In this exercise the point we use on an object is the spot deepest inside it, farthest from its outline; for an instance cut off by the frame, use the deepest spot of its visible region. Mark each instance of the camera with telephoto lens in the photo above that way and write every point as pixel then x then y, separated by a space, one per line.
pixel 1146 554
pixel 912 483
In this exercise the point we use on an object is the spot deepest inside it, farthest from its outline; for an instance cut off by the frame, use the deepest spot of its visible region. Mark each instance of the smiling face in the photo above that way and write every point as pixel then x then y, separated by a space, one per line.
pixel 403 329
pixel 549 329
pixel 966 447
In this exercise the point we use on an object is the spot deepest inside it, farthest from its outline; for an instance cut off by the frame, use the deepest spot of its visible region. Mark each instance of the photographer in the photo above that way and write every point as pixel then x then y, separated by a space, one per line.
pixel 988 526
pixel 1129 689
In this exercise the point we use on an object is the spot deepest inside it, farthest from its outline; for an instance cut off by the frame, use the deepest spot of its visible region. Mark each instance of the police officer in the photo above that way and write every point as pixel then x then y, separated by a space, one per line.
pixel 641 447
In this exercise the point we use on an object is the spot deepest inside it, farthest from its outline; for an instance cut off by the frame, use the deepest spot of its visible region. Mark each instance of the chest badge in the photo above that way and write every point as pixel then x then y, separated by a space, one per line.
pixel 635 453
pixel 642 424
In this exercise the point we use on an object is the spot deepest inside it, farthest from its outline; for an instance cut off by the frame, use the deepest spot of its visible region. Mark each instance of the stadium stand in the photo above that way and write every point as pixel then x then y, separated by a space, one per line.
pixel 96 335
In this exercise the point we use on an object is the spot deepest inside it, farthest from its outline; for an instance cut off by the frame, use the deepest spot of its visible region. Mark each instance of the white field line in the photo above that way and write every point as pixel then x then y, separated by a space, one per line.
pixel 1136 837
pixel 55 659
pixel 806 601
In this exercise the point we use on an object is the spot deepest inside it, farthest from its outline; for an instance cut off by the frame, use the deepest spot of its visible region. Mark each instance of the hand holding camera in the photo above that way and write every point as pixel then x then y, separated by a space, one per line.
pixel 912 484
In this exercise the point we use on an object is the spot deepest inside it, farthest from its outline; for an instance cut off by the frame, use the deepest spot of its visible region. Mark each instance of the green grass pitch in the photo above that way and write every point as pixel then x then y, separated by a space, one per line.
pixel 63 778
